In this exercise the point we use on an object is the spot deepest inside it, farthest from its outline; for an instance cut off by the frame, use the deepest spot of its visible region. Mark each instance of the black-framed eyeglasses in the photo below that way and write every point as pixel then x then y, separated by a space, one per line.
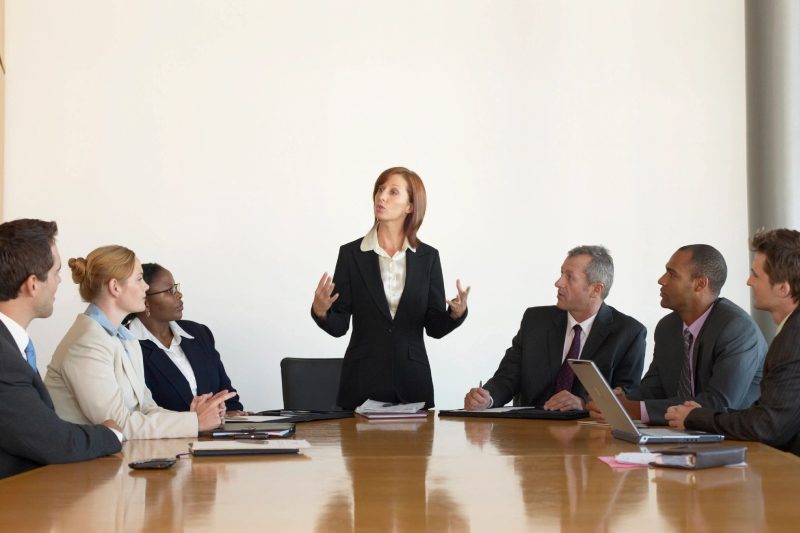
pixel 175 289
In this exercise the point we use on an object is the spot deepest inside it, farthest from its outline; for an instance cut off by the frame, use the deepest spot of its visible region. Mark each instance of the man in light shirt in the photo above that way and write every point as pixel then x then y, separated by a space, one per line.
pixel 708 349
pixel 33 435
pixel 534 371
pixel 775 418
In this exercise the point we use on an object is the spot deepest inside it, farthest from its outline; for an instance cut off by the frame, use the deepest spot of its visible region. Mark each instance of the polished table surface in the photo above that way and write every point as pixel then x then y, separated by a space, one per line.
pixel 434 474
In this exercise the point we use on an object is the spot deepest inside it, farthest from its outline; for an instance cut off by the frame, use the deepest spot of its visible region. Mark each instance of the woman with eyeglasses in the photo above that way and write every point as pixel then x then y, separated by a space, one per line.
pixel 180 360
pixel 97 373
pixel 391 285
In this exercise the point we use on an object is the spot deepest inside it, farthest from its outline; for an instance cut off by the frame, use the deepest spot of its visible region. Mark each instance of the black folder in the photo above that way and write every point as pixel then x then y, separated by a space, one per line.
pixel 525 412
pixel 307 415
pixel 233 430
pixel 702 456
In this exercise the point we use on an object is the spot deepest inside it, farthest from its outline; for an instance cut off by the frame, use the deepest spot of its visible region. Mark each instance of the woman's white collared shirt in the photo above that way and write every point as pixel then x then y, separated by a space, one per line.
pixel 174 352
pixel 393 269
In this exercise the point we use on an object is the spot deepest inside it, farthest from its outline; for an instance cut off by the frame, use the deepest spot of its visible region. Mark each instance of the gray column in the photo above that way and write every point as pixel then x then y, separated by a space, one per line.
pixel 772 47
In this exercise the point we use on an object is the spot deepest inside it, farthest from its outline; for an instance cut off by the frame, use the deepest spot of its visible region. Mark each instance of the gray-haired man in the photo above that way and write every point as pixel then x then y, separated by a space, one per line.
pixel 534 371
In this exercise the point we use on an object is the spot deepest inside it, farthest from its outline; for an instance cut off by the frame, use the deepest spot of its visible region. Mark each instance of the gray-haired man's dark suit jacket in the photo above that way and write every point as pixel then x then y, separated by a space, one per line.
pixel 529 368
pixel 32 434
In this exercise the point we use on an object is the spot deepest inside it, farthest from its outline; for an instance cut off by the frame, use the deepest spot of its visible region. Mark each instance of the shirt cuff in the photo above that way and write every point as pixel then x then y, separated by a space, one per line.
pixel 118 434
pixel 491 402
pixel 643 416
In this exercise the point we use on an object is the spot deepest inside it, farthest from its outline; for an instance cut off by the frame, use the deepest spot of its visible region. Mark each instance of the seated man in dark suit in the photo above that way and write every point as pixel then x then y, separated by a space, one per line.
pixel 775 418
pixel 534 371
pixel 32 434
pixel 708 349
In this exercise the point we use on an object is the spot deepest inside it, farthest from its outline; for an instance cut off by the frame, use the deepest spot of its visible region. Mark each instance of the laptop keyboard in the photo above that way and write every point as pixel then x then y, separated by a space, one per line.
pixel 662 432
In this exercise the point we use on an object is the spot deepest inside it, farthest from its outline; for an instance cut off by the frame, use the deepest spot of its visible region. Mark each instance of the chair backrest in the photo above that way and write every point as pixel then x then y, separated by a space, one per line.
pixel 310 384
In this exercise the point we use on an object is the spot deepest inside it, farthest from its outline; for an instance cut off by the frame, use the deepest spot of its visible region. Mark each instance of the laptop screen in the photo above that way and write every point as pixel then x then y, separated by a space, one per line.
pixel 597 387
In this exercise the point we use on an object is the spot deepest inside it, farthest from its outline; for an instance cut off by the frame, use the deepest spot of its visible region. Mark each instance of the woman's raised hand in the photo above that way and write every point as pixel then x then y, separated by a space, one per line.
pixel 323 300
pixel 458 305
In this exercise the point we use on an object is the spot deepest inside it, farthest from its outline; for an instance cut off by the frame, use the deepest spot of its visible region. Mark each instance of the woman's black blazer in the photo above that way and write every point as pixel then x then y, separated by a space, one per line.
pixel 169 388
pixel 386 358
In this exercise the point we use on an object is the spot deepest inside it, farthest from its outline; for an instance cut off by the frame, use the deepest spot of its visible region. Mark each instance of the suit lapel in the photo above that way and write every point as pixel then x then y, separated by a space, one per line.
pixel 555 342
pixel 162 362
pixel 196 356
pixel 12 344
pixel 599 331
pixel 13 351
pixel 128 366
pixel 413 271
pixel 697 348
pixel 371 273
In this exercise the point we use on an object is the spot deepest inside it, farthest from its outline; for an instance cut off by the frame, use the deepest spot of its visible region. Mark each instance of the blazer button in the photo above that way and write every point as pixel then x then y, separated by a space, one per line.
pixel 390 330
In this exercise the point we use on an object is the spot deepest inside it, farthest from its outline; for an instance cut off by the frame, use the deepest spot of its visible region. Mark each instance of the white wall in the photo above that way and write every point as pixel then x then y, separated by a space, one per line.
pixel 237 143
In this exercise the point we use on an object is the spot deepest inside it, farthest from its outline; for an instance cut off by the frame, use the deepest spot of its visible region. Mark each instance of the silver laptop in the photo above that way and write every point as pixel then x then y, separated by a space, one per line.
pixel 621 424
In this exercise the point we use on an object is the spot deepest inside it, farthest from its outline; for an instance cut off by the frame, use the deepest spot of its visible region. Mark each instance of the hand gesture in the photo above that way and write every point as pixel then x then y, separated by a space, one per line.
pixel 322 296
pixel 458 305
pixel 211 409
pixel 198 401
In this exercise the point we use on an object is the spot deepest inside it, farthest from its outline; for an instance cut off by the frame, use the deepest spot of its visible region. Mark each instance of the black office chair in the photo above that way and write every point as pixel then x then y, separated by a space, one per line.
pixel 310 384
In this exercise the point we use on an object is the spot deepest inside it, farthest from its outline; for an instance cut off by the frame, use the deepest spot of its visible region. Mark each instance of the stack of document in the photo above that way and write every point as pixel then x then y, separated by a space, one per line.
pixel 390 411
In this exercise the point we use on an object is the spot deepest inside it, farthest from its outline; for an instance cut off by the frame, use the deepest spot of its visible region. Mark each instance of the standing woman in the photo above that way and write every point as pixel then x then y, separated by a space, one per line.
pixel 97 373
pixel 391 284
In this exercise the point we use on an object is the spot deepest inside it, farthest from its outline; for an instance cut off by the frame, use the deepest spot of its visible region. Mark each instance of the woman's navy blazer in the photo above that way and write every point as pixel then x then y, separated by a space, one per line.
pixel 169 387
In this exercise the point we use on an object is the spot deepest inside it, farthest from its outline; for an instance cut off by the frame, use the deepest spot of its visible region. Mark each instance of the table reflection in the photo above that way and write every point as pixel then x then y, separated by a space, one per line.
pixel 581 493
pixel 390 491
pixel 66 498
pixel 427 475
pixel 690 499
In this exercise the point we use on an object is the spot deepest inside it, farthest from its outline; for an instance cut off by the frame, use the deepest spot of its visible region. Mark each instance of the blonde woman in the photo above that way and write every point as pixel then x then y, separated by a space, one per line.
pixel 97 372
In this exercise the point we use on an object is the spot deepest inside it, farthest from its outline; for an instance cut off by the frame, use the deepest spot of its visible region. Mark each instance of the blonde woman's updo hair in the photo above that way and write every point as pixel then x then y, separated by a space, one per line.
pixel 102 265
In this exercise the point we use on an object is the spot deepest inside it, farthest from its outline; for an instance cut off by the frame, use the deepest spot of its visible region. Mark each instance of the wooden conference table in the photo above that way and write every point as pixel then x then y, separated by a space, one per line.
pixel 427 475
